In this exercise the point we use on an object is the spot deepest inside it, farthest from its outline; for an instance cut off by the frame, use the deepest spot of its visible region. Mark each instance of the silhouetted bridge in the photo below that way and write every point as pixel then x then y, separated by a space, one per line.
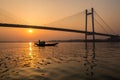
pixel 53 28
pixel 86 32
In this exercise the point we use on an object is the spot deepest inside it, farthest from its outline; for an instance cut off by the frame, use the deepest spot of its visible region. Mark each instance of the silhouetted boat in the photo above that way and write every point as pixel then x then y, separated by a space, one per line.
pixel 46 44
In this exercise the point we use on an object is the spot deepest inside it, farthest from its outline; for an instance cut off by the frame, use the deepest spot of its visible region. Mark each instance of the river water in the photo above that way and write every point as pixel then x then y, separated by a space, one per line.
pixel 66 61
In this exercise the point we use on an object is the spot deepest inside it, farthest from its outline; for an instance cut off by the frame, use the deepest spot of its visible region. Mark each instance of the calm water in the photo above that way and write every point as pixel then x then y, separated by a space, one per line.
pixel 66 61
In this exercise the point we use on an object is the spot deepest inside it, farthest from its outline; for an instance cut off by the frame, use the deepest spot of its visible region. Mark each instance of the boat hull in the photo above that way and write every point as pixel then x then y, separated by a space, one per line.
pixel 43 45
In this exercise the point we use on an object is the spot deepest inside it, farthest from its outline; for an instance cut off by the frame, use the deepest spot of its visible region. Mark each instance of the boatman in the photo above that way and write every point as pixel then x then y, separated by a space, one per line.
pixel 39 41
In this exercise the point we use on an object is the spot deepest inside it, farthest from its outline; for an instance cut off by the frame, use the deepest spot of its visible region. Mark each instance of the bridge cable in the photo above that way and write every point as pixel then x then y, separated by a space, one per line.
pixel 11 16
pixel 101 26
pixel 105 23
pixel 80 13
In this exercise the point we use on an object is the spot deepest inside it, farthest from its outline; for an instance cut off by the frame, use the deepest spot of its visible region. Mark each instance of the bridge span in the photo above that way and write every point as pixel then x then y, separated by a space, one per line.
pixel 55 29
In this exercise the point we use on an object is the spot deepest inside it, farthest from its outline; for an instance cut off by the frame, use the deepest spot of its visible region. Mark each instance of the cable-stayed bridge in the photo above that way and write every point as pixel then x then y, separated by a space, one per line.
pixel 53 28
pixel 85 31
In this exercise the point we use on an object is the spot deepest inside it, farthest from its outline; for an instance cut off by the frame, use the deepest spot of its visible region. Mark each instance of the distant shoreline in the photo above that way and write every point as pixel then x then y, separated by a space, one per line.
pixel 72 40
pixel 15 41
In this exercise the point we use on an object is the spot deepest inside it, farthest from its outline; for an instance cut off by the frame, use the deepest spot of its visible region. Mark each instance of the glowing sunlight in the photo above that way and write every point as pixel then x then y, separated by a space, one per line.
pixel 30 31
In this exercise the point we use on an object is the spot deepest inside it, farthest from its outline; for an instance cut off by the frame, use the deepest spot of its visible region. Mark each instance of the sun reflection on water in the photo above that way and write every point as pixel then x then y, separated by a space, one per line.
pixel 30 50
pixel 31 55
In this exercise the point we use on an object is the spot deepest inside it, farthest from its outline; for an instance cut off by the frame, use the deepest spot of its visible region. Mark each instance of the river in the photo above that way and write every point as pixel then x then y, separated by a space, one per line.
pixel 66 61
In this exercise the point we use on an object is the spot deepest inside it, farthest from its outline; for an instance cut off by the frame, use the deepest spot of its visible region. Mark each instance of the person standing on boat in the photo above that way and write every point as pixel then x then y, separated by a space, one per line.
pixel 41 42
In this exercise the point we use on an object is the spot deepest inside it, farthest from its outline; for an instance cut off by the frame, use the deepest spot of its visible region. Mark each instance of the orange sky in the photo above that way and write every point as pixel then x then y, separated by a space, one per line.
pixel 40 12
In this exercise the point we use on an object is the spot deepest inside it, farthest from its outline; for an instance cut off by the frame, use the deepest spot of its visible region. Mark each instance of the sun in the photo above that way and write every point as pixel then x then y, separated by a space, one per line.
pixel 30 31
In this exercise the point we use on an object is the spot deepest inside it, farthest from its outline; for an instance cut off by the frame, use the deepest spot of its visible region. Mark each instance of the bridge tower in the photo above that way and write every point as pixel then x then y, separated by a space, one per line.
pixel 89 13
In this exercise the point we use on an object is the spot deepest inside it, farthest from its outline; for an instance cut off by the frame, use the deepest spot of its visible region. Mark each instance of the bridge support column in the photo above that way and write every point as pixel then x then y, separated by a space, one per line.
pixel 93 28
pixel 86 11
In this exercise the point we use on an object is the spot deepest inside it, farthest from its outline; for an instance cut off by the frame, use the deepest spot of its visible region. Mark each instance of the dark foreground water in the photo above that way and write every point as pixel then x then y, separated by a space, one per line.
pixel 66 61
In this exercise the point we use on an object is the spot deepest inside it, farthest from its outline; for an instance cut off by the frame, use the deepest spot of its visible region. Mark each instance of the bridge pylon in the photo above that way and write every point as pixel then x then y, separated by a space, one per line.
pixel 89 13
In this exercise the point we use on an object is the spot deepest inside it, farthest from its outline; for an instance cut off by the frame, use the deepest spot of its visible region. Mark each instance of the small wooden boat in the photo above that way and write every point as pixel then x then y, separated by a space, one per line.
pixel 46 44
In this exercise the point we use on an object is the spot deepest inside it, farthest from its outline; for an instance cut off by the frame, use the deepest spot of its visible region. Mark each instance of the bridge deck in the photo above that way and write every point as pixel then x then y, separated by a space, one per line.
pixel 53 28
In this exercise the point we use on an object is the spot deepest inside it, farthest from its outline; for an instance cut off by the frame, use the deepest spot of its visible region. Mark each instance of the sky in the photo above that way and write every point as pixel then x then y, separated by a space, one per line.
pixel 40 12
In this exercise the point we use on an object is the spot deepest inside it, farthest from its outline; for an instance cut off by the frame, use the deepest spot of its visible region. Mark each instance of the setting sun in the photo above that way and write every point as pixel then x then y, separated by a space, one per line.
pixel 30 30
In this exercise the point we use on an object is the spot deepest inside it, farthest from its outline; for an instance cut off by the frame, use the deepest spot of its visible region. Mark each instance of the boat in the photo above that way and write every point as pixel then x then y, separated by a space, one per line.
pixel 46 44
